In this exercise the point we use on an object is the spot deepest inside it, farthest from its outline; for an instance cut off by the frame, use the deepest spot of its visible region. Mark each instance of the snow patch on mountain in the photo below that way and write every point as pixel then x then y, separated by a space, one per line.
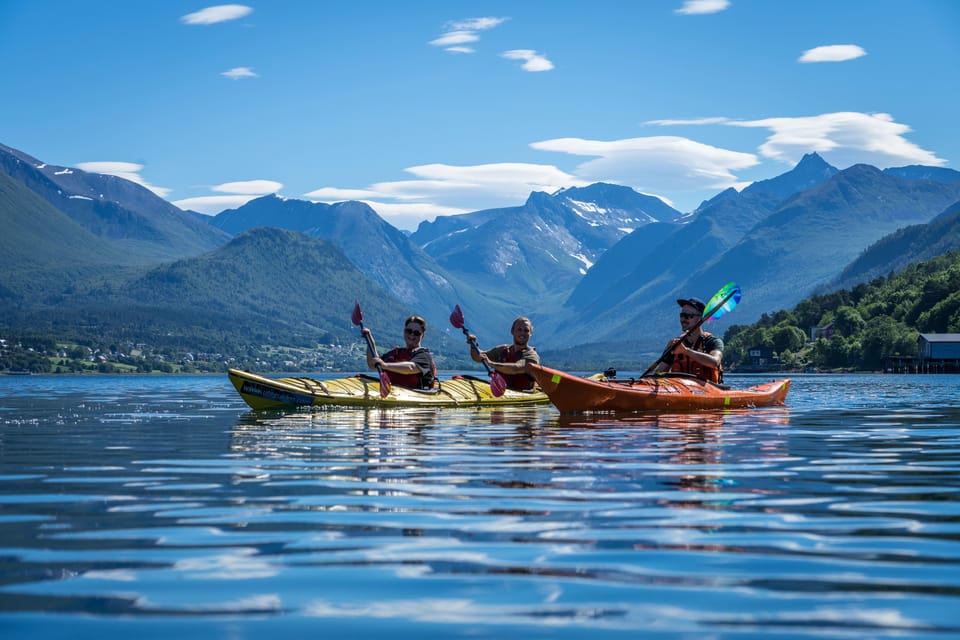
pixel 587 263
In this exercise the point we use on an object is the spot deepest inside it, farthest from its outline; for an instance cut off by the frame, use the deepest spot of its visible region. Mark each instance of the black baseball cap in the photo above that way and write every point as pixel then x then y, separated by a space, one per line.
pixel 693 302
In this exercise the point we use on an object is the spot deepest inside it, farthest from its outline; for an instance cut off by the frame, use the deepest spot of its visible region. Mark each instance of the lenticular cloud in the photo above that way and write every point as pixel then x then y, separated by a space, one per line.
pixel 219 13
pixel 833 53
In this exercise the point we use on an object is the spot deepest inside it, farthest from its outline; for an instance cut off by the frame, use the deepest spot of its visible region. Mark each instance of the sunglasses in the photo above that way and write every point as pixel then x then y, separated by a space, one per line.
pixel 687 315
pixel 413 332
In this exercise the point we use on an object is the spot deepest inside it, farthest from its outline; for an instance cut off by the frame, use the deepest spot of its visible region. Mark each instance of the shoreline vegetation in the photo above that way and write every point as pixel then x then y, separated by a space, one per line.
pixel 44 355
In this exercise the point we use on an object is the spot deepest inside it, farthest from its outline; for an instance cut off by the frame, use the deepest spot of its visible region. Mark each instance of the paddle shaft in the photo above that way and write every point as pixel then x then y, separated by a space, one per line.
pixel 476 348
pixel 703 318
pixel 370 346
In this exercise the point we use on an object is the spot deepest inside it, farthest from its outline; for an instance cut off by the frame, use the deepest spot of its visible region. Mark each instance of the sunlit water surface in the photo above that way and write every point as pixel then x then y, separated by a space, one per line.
pixel 161 507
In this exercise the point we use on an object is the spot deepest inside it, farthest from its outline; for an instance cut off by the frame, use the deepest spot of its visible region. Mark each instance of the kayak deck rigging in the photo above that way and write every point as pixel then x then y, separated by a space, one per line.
pixel 363 390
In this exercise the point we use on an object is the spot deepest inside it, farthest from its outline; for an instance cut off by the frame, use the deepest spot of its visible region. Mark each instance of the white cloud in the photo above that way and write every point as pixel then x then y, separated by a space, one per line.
pixel 410 215
pixel 219 13
pixel 833 53
pixel 238 194
pixel 700 7
pixel 240 72
pixel 454 38
pixel 405 202
pixel 533 61
pixel 403 215
pixel 654 163
pixel 126 170
pixel 843 139
pixel 484 186
pixel 246 187
pixel 691 121
pixel 462 32
pixel 333 194
pixel 212 205
pixel 477 24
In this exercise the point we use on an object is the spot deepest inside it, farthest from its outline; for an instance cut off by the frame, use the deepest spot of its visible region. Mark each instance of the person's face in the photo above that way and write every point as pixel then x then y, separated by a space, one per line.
pixel 412 334
pixel 688 316
pixel 521 333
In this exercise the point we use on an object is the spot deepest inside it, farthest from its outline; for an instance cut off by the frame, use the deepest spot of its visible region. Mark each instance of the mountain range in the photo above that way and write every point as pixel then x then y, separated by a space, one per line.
pixel 598 268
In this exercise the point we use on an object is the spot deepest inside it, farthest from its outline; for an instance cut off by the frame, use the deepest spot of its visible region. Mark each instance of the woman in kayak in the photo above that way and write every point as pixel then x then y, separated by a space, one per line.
pixel 510 359
pixel 698 353
pixel 411 366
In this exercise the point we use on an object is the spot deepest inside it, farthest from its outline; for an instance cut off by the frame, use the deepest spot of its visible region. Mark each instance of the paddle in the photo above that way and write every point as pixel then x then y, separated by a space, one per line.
pixel 357 318
pixel 722 303
pixel 497 383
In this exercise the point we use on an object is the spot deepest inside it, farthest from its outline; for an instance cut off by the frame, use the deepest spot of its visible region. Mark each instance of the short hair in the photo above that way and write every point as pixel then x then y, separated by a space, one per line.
pixel 420 321
pixel 521 319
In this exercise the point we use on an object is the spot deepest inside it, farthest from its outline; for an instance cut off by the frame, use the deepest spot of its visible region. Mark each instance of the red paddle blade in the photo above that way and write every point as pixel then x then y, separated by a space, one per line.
pixel 456 318
pixel 384 385
pixel 357 316
pixel 497 384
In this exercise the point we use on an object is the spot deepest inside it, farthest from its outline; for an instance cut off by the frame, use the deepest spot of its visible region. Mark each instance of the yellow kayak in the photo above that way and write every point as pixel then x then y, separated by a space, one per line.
pixel 364 391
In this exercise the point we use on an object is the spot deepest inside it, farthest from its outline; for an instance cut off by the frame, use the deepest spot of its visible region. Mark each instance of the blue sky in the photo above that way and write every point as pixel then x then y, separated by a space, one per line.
pixel 434 108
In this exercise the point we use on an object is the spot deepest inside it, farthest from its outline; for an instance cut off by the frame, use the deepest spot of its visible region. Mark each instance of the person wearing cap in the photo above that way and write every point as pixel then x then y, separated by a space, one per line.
pixel 697 352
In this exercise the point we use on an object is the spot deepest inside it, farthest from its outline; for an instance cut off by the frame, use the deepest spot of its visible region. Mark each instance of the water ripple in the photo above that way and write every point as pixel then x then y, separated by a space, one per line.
pixel 168 508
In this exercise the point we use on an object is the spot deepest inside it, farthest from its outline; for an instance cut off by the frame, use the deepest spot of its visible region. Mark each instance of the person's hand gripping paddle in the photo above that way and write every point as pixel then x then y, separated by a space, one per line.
pixel 722 303
pixel 357 318
pixel 497 382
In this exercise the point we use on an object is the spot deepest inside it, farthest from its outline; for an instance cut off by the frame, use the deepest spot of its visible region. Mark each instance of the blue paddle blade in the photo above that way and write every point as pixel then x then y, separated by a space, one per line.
pixel 723 301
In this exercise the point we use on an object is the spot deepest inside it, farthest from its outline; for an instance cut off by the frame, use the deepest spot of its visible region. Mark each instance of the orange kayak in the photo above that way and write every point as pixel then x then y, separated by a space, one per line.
pixel 672 392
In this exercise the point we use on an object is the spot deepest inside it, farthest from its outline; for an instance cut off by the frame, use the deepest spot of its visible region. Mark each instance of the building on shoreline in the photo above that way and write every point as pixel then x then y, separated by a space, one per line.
pixel 938 353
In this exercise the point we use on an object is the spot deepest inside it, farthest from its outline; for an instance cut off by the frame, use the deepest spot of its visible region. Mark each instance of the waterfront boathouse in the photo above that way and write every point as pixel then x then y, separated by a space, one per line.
pixel 938 353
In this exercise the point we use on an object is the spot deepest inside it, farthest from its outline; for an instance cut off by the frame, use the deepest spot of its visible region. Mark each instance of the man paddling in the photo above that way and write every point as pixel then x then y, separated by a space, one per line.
pixel 510 359
pixel 700 353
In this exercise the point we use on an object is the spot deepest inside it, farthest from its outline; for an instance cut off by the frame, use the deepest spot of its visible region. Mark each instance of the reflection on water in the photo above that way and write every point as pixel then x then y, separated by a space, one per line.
pixel 161 506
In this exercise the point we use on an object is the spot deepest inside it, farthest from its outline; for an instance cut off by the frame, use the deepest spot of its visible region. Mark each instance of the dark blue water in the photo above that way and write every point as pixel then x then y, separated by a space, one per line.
pixel 160 507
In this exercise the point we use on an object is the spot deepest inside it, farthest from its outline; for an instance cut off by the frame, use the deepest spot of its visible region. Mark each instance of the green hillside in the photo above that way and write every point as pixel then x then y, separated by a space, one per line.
pixel 868 323
pixel 44 253
pixel 910 244
pixel 266 287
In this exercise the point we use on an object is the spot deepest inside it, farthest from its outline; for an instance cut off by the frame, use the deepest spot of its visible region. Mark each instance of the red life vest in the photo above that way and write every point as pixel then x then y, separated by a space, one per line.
pixel 683 364
pixel 519 381
pixel 409 380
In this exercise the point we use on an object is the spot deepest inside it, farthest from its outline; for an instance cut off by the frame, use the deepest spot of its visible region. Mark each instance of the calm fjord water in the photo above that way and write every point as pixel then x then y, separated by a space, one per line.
pixel 158 507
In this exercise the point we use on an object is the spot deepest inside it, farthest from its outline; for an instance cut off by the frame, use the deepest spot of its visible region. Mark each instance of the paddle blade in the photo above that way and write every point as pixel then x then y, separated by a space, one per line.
pixel 384 384
pixel 723 301
pixel 357 316
pixel 497 384
pixel 456 318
